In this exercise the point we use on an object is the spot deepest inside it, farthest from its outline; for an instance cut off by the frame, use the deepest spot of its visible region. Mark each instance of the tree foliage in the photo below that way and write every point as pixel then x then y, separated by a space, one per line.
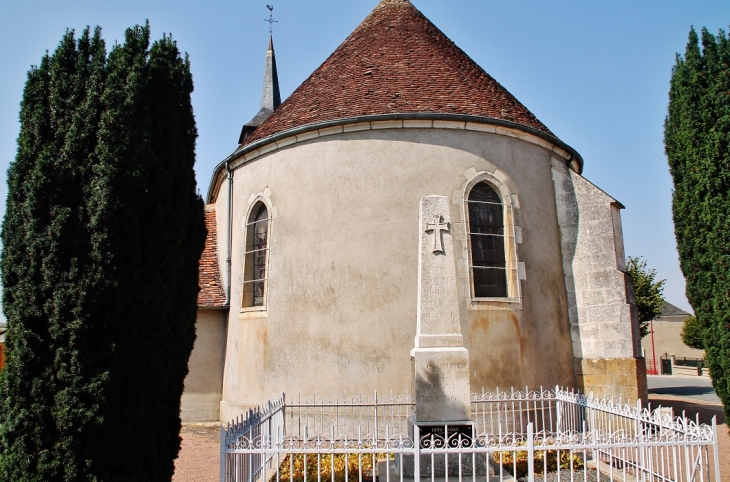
pixel 697 143
pixel 647 292
pixel 692 333
pixel 102 236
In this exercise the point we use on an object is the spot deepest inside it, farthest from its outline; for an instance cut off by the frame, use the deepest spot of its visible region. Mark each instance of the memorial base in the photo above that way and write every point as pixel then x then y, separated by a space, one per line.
pixel 442 388
pixel 445 463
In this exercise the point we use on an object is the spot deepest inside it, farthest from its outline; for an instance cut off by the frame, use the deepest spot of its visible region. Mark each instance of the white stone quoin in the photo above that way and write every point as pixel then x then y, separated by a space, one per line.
pixel 440 361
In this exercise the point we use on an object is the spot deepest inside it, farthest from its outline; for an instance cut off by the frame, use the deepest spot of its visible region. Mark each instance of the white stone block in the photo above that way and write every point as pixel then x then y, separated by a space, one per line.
pixel 521 271
pixel 330 130
pixel 442 387
pixel 360 126
pixel 394 124
pixel 470 173
pixel 251 155
pixel 267 148
pixel 518 234
pixel 499 175
pixel 307 135
pixel 475 126
pixel 506 131
pixel 286 142
pixel 417 123
pixel 439 124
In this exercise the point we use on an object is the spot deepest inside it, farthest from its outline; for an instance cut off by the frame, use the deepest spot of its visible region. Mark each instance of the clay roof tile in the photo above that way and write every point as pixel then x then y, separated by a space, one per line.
pixel 209 277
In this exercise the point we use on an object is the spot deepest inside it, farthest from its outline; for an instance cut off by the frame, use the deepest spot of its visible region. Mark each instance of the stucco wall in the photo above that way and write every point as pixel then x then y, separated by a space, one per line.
pixel 341 312
pixel 204 382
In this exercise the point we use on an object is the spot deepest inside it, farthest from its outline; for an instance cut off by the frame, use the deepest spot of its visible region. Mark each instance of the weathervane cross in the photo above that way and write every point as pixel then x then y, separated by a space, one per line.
pixel 437 226
pixel 271 18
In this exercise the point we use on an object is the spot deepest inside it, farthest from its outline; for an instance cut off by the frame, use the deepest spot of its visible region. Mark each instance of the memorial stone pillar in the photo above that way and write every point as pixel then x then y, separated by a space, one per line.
pixel 440 361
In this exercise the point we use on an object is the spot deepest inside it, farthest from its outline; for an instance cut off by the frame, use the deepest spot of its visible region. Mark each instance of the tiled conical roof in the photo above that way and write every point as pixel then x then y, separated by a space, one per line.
pixel 396 62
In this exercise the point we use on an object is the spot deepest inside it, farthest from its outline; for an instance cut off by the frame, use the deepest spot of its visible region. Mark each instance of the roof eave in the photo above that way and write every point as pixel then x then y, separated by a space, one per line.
pixel 243 150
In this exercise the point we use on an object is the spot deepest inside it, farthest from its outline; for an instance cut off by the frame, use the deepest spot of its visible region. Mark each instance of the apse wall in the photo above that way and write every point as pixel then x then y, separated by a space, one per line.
pixel 341 301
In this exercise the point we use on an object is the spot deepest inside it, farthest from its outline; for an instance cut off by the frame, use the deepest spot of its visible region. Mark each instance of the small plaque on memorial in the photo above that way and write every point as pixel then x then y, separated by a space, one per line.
pixel 448 435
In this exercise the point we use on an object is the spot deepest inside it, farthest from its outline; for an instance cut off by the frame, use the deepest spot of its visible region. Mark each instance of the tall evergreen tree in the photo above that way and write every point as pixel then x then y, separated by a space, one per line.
pixel 102 235
pixel 697 143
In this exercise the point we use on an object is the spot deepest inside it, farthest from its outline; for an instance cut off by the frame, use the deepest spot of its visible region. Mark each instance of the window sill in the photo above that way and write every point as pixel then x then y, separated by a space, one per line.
pixel 495 303
pixel 253 312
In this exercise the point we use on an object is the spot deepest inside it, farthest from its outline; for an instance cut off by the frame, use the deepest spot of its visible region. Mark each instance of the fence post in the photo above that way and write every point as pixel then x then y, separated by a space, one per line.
pixel 558 409
pixel 416 454
pixel 715 449
pixel 376 415
pixel 223 455
pixel 530 453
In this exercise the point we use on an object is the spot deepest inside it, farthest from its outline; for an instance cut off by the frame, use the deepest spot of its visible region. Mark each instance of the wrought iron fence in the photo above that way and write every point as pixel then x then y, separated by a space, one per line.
pixel 548 435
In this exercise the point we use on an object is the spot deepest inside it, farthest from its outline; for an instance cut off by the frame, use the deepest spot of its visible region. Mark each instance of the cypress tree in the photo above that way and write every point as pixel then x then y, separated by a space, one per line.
pixel 102 235
pixel 697 142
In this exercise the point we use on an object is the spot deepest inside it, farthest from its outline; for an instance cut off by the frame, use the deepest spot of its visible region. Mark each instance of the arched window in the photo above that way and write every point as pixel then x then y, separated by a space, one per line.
pixel 256 257
pixel 487 243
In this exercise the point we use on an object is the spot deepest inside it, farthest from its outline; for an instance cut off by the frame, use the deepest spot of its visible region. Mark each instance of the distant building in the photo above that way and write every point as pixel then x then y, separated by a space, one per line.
pixel 667 338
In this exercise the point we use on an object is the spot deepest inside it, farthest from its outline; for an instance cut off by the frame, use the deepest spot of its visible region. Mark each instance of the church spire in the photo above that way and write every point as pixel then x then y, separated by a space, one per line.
pixel 270 96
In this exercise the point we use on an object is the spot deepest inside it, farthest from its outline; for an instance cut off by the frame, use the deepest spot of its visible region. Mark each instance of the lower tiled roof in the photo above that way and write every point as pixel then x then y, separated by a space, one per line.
pixel 211 288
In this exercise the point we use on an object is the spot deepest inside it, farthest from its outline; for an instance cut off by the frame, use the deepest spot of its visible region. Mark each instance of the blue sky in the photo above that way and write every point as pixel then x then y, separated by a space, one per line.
pixel 596 73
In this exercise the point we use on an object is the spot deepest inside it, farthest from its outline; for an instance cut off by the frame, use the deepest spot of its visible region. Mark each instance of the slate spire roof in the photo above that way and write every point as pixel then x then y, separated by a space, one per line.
pixel 270 96
pixel 396 62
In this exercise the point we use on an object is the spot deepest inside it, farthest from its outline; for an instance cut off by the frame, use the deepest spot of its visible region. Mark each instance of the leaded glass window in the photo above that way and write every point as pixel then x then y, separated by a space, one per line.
pixel 487 242
pixel 257 249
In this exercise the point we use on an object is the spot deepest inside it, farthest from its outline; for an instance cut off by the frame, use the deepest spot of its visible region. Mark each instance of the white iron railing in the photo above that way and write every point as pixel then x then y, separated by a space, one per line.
pixel 548 435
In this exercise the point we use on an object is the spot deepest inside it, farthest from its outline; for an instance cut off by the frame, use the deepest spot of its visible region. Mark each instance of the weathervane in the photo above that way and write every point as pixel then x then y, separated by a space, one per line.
pixel 271 18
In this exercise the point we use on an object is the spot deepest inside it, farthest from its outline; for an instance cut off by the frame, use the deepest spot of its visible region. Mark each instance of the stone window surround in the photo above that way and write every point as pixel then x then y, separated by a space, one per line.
pixel 264 198
pixel 507 190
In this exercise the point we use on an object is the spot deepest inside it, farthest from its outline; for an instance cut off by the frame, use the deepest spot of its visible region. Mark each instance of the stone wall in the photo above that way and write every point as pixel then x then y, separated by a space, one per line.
pixel 603 317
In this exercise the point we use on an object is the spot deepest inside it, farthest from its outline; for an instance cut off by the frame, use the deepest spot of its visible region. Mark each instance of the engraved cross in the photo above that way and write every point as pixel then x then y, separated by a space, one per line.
pixel 437 226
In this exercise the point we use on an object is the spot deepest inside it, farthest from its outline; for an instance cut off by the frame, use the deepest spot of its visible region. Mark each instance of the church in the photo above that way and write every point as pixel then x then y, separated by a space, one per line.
pixel 309 278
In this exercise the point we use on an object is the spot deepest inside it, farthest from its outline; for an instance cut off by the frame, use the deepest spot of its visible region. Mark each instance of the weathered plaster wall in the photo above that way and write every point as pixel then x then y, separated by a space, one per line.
pixel 341 312
pixel 604 324
pixel 204 383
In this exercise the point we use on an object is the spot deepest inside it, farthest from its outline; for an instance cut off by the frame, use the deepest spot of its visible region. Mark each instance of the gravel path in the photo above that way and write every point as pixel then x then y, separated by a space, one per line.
pixel 705 411
pixel 578 476
pixel 199 455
